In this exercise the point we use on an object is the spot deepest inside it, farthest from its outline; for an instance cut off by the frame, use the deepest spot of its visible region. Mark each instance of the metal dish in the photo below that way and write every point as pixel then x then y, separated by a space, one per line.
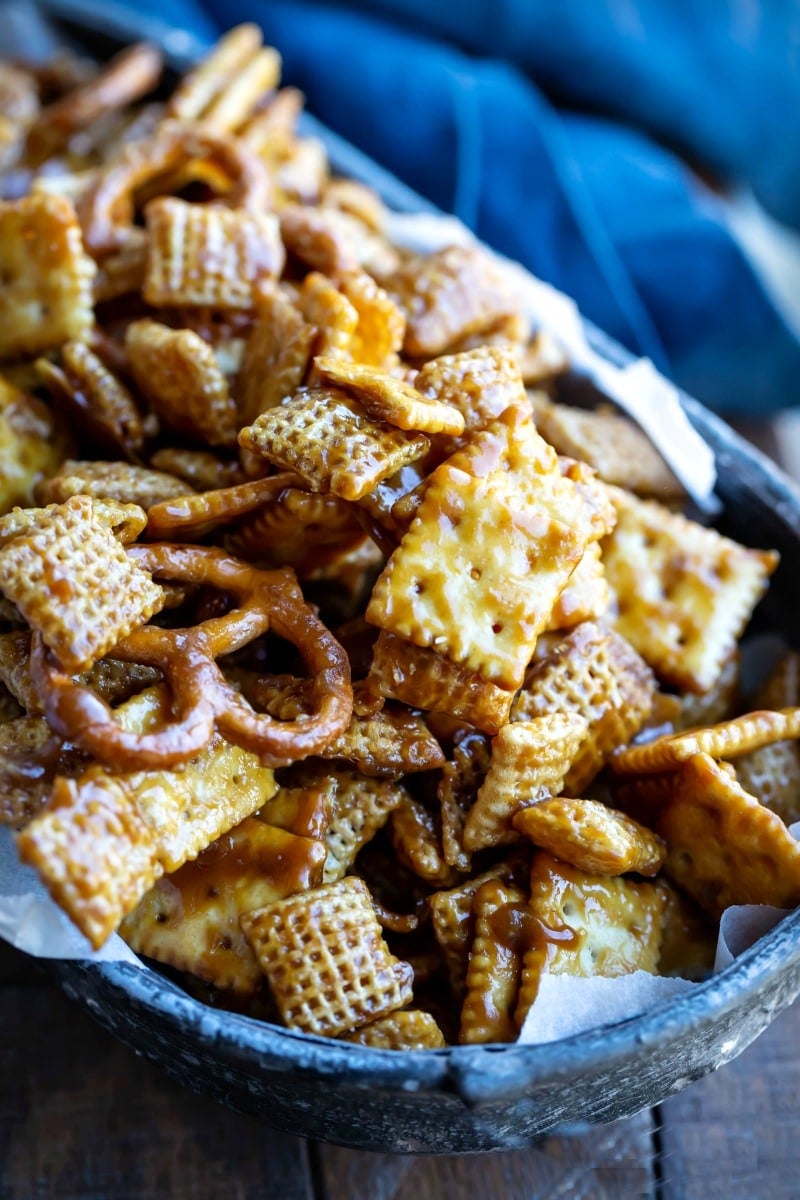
pixel 464 1098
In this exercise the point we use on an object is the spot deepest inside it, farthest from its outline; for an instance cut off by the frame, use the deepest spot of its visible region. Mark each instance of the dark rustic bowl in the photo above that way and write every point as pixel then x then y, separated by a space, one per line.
pixel 469 1098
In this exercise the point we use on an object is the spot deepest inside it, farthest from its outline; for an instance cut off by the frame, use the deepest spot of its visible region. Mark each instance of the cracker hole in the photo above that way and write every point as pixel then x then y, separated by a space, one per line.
pixel 497 627
pixel 475 573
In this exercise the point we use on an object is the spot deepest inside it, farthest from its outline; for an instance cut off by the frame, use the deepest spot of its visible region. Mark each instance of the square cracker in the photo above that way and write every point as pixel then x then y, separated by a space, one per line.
pixel 328 966
pixel 73 583
pixel 479 570
pixel 46 296
pixel 322 435
pixel 598 925
pixel 683 593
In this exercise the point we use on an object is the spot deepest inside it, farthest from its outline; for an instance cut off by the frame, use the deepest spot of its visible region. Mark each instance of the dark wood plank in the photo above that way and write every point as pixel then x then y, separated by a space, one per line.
pixel 82 1118
pixel 733 1135
pixel 614 1162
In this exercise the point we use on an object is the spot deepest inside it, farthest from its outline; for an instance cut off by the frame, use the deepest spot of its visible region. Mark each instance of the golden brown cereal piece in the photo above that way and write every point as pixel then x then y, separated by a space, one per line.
pixel 332 241
pixel 30 756
pixel 530 760
pixel 178 374
pixel 689 942
pixel 449 295
pixel 31 446
pixel 202 470
pixel 330 312
pixel 726 740
pixel 587 595
pixel 612 444
pixel 118 481
pixel 386 398
pixel 276 355
pixel 418 844
pixel 422 678
pixel 495 966
pixel 453 923
pixel 590 836
pixel 723 846
pixel 482 564
pixel 190 918
pixel 595 673
pixel 589 925
pixel 202 87
pixel 302 805
pixel 207 255
pixel 191 517
pixel 303 530
pixel 350 195
pixel 361 806
pixel 15 672
pixel 542 358
pixel 328 966
pixel 719 703
pixel 122 273
pixel 105 838
pixel 94 397
pixel 461 778
pixel 322 435
pixel 480 383
pixel 409 1029
pixel 126 521
pixel 46 297
pixel 772 773
pixel 683 593
pixel 378 336
pixel 73 582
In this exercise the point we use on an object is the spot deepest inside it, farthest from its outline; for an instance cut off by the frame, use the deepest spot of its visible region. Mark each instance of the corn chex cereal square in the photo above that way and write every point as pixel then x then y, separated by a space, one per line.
pixel 322 435
pixel 201 254
pixel 46 296
pixel 72 581
pixel 328 966
pixel 479 570
pixel 683 593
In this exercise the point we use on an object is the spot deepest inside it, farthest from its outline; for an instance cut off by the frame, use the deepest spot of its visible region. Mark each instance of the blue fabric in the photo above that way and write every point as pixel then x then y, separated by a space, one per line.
pixel 544 127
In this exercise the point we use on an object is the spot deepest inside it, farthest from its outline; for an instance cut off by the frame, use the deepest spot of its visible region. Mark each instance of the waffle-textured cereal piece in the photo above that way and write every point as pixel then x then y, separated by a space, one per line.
pixel 683 593
pixel 408 1029
pixel 449 295
pixel 236 67
pixel 330 312
pixel 589 925
pixel 179 376
pixel 332 241
pixel 530 760
pixel 46 297
pixel 328 966
pixel 384 397
pixel 104 839
pixel 595 673
pixel 31 445
pixel 202 470
pixel 92 395
pixel 495 966
pixel 209 255
pixel 723 846
pixel 422 678
pixel 361 806
pixel 322 435
pixel 72 581
pixel 772 773
pixel 483 562
pixel 727 740
pixel 453 923
pixel 303 530
pixel 458 787
pixel 120 481
pixel 587 595
pixel 480 383
pixel 591 836
pixel 417 841
pixel 190 918
pixel 612 444
pixel 378 337
pixel 276 355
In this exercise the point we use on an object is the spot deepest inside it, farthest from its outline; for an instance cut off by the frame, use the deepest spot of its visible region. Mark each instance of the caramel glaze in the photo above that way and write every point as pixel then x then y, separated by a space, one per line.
pixel 519 930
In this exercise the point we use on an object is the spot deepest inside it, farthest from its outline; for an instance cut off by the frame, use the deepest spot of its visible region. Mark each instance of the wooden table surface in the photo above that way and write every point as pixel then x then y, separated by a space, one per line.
pixel 82 1118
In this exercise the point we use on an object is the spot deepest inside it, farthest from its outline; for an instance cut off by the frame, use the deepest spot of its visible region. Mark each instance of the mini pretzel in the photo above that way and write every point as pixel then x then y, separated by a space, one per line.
pixel 203 699
pixel 107 209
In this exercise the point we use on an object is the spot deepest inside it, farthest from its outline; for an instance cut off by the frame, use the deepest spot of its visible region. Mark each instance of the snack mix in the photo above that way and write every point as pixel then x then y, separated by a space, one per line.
pixel 346 672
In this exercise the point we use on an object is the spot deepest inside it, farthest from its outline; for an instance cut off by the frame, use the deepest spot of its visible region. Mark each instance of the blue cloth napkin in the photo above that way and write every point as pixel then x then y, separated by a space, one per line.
pixel 545 128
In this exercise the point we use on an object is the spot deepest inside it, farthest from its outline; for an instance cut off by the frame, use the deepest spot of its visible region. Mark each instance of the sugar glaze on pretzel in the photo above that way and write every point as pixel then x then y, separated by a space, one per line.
pixel 202 698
